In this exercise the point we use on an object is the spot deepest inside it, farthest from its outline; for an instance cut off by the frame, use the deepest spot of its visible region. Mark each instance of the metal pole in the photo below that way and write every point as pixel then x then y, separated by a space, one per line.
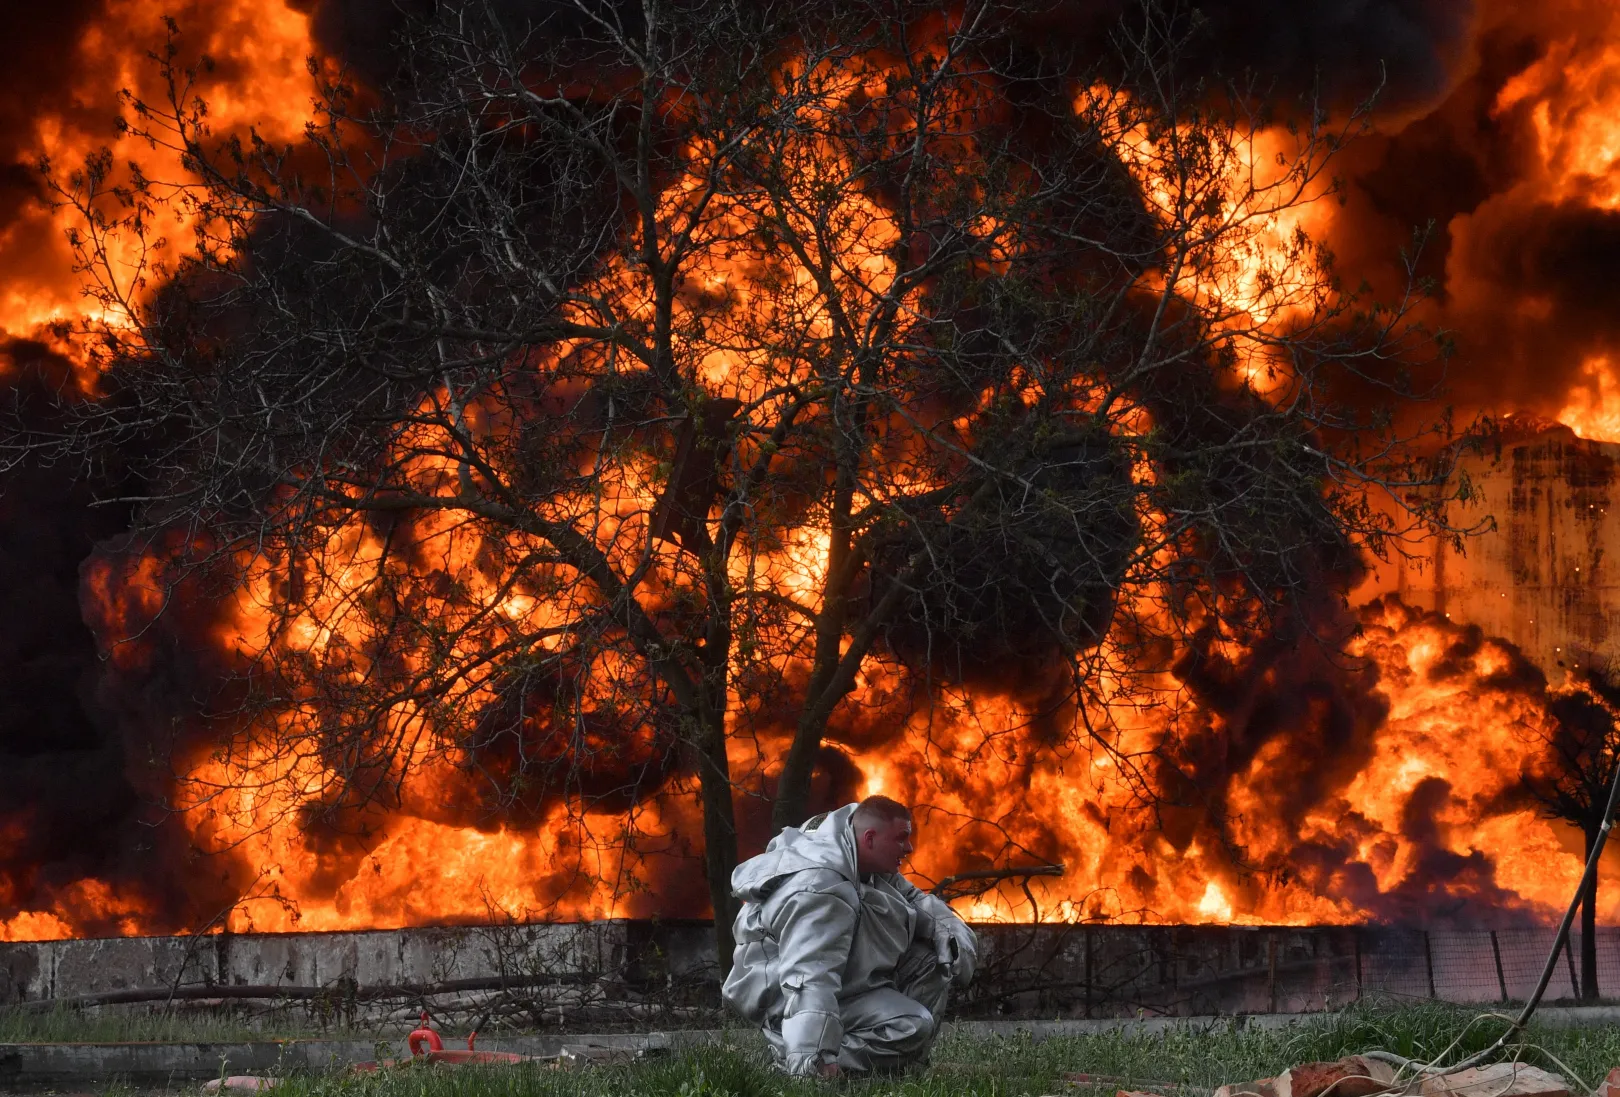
pixel 1089 931
pixel 1271 970
pixel 1496 951
pixel 1569 955
pixel 1428 962
pixel 1355 936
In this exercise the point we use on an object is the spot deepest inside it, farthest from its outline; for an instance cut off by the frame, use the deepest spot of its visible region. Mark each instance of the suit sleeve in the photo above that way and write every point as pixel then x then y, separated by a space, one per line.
pixel 943 926
pixel 813 929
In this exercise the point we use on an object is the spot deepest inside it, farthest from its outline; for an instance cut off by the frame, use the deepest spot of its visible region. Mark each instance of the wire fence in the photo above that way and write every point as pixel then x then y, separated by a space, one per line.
pixel 1113 970
pixel 1503 965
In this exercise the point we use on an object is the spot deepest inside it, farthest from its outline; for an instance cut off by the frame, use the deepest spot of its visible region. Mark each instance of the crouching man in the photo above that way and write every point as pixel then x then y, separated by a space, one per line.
pixel 842 961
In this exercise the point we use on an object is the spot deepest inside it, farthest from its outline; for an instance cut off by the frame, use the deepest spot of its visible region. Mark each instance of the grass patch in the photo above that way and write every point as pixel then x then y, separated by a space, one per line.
pixel 1214 1053
pixel 964 1065
pixel 970 1066
pixel 695 1072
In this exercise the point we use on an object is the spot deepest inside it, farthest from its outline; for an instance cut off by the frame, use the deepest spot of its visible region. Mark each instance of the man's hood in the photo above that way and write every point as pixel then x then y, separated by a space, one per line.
pixel 827 841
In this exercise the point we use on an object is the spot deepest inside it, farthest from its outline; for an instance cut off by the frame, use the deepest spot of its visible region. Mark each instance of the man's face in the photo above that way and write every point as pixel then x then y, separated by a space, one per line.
pixel 882 848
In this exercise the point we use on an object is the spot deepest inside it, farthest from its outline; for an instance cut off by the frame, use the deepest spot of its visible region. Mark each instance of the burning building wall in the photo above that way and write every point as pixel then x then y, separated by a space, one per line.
pixel 1376 783
pixel 1542 576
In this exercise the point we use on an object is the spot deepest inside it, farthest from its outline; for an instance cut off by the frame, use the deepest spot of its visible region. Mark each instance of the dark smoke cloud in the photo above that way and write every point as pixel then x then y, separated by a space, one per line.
pixel 1406 52
pixel 57 759
pixel 1532 288
pixel 81 797
pixel 1523 270
pixel 364 34
pixel 360 33
pixel 38 72
pixel 1337 52
pixel 1409 51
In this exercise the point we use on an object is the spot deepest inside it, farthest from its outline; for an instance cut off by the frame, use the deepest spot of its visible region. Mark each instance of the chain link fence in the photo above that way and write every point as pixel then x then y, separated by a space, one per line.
pixel 1102 971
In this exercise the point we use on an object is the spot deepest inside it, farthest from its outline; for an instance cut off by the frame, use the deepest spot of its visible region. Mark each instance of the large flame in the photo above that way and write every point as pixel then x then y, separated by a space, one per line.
pixel 1435 783
pixel 256 76
pixel 1262 198
pixel 1424 801
pixel 1572 98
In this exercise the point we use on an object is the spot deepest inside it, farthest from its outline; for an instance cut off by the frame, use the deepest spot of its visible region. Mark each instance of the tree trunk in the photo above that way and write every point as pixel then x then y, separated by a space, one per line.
pixel 792 805
pixel 1589 983
pixel 719 830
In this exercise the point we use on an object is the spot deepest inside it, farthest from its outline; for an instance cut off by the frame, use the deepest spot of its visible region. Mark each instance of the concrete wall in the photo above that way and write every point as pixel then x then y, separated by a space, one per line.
pixel 381 958
pixel 663 973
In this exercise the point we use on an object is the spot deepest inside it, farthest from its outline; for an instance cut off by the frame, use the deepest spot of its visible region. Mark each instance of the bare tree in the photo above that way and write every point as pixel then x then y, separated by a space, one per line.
pixel 1571 782
pixel 606 385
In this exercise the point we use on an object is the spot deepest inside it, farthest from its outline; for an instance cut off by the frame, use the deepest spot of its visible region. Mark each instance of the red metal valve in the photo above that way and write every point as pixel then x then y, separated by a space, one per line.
pixel 426 1047
pixel 434 1051
pixel 424 1035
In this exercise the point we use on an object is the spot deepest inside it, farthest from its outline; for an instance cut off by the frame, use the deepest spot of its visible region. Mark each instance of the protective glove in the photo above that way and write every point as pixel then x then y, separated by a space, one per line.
pixel 805 1064
pixel 957 946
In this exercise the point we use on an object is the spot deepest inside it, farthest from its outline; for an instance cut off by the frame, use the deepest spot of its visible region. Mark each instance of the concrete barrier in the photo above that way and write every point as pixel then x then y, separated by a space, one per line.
pixel 663 974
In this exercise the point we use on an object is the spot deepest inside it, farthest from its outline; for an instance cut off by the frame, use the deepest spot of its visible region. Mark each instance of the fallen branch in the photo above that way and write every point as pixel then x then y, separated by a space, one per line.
pixel 333 993
pixel 965 884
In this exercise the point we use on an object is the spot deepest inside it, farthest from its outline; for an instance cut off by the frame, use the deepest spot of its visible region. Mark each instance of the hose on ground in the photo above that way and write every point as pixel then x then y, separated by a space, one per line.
pixel 1517 1025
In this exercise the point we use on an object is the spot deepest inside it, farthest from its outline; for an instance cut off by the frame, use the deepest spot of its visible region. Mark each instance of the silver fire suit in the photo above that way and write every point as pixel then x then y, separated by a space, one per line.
pixel 839 968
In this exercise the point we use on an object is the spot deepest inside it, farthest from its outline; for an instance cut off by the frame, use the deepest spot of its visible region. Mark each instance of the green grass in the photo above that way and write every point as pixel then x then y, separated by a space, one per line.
pixel 968 1066
pixel 1211 1054
pixel 971 1066
pixel 697 1072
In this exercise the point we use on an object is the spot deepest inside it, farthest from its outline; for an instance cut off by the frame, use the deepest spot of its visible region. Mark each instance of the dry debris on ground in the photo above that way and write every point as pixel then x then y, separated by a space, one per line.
pixel 1361 1076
